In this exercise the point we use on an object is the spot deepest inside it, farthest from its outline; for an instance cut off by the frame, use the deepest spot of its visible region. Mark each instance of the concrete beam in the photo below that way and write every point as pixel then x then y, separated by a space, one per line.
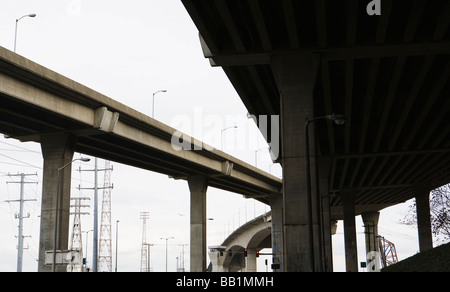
pixel 57 151
pixel 82 111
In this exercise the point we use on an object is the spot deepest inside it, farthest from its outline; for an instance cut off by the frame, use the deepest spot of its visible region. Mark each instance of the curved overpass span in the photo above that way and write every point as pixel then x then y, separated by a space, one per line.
pixel 239 250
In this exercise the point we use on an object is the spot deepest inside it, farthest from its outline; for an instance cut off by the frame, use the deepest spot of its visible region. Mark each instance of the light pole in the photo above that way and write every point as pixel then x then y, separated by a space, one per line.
pixel 117 241
pixel 17 21
pixel 153 103
pixel 256 155
pixel 87 238
pixel 221 135
pixel 167 239
pixel 339 120
pixel 57 208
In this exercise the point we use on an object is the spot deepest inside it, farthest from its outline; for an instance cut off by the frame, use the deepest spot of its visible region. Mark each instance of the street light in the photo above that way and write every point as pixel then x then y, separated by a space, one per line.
pixel 117 241
pixel 83 159
pixel 221 135
pixel 153 104
pixel 17 21
pixel 256 155
pixel 338 120
pixel 167 239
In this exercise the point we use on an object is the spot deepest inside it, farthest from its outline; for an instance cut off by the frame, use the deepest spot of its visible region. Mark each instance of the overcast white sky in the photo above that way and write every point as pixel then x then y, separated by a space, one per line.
pixel 127 51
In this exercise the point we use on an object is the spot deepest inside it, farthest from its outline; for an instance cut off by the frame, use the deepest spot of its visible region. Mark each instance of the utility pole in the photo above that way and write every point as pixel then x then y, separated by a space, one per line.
pixel 20 216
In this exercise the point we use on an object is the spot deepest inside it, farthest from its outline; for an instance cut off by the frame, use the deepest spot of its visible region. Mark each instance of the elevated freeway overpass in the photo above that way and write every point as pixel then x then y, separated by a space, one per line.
pixel 389 74
pixel 40 105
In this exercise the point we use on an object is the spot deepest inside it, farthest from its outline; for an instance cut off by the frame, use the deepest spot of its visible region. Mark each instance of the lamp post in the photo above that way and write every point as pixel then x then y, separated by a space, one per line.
pixel 339 120
pixel 153 103
pixel 117 241
pixel 83 159
pixel 221 135
pixel 17 21
pixel 256 155
pixel 167 239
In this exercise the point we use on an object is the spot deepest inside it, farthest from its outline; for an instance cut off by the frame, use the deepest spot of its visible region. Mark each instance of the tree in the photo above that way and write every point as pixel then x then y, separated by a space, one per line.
pixel 439 209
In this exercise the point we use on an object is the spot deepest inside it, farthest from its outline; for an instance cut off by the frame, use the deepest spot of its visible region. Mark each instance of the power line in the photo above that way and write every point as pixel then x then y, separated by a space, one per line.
pixel 22 148
pixel 17 160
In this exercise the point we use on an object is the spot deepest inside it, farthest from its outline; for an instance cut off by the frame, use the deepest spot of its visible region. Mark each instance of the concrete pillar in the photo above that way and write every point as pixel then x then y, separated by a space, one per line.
pixel 327 254
pixel 370 220
pixel 57 151
pixel 296 77
pixel 276 205
pixel 217 257
pixel 251 260
pixel 351 253
pixel 198 186
pixel 422 194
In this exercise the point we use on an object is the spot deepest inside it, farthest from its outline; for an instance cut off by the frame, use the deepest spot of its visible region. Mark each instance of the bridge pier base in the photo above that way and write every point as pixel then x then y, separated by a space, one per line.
pixel 57 151
pixel 251 260
pixel 197 187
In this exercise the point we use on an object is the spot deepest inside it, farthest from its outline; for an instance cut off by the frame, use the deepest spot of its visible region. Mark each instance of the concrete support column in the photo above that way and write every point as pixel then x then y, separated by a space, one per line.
pixel 327 254
pixel 276 205
pixel 251 260
pixel 198 186
pixel 57 151
pixel 370 220
pixel 351 253
pixel 422 194
pixel 296 77
pixel 217 258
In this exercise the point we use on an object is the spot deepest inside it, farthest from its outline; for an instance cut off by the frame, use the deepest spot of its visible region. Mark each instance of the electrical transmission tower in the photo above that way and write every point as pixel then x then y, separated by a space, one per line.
pixel 145 261
pixel 20 216
pixel 76 241
pixel 95 242
pixel 388 252
pixel 105 253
